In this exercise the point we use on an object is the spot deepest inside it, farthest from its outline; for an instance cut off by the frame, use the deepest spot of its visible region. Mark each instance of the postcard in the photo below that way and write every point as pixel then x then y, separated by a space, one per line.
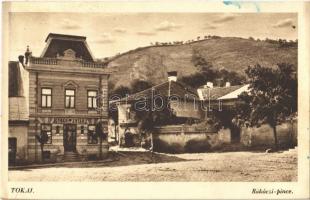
pixel 155 100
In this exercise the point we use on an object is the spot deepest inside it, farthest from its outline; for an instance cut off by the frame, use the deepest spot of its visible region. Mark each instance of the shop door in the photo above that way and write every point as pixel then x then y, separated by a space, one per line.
pixel 12 150
pixel 70 137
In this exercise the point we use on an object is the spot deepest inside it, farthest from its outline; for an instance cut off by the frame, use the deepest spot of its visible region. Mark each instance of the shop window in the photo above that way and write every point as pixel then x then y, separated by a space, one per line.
pixel 82 130
pixel 57 130
pixel 92 99
pixel 91 135
pixel 46 97
pixel 69 98
pixel 47 129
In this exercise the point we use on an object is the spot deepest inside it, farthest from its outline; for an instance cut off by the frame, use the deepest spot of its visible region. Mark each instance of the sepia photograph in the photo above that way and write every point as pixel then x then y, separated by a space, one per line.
pixel 153 97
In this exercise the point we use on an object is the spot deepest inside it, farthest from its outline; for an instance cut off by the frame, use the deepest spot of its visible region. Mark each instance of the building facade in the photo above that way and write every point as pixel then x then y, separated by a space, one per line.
pixel 18 115
pixel 67 97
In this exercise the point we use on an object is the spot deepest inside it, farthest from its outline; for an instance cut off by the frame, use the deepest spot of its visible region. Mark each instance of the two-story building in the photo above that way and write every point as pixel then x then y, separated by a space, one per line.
pixel 67 97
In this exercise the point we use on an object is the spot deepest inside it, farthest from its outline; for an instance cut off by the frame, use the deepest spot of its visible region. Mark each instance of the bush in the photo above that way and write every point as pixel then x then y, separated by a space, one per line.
pixel 162 146
pixel 197 146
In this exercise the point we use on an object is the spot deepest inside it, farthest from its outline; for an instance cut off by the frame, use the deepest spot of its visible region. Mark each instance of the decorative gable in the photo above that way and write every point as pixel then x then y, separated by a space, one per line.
pixel 69 54
pixel 70 84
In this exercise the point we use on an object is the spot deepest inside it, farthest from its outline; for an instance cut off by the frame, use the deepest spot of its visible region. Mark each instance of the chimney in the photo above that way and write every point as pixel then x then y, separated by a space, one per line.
pixel 27 55
pixel 209 85
pixel 172 76
pixel 227 84
pixel 21 60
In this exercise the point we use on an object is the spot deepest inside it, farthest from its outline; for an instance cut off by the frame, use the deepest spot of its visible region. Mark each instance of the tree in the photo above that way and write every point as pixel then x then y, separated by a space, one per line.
pixel 194 80
pixel 42 139
pixel 272 96
pixel 148 119
pixel 121 91
pixel 230 76
pixel 208 73
pixel 139 85
pixel 102 135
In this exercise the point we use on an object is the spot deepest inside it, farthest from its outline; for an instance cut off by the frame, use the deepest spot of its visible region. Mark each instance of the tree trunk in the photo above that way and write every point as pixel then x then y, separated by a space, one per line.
pixel 100 149
pixel 275 137
pixel 42 156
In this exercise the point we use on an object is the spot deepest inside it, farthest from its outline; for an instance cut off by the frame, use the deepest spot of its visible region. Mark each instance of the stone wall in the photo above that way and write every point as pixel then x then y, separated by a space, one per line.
pixel 263 136
pixel 20 133
pixel 179 139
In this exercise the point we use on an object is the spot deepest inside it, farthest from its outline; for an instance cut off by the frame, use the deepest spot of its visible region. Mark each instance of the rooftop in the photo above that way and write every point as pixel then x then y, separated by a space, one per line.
pixel 57 44
pixel 166 89
pixel 222 93
pixel 64 36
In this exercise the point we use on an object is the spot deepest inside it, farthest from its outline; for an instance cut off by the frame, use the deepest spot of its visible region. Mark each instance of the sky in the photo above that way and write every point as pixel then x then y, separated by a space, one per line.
pixel 111 33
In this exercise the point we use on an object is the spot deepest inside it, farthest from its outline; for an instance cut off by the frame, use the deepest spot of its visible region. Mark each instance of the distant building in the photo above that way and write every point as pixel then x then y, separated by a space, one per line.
pixel 227 92
pixel 223 101
pixel 217 98
pixel 65 94
pixel 183 101
pixel 18 115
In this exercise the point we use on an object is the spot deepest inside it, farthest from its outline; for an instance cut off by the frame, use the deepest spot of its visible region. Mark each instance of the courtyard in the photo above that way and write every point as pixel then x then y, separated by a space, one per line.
pixel 147 166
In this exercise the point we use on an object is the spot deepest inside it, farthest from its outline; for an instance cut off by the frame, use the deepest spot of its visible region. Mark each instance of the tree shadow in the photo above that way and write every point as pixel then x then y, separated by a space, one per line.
pixel 117 159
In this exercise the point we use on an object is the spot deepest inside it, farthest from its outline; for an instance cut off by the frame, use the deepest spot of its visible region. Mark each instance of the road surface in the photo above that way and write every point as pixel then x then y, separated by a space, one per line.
pixel 144 166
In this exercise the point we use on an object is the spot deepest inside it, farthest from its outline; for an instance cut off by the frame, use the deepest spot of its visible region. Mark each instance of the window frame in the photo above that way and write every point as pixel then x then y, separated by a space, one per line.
pixel 88 131
pixel 51 95
pixel 70 98
pixel 51 130
pixel 92 108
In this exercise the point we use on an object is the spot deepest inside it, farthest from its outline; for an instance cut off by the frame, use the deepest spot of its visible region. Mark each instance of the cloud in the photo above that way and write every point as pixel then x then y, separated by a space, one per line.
pixel 167 26
pixel 105 38
pixel 120 30
pixel 71 27
pixel 145 33
pixel 284 23
pixel 211 26
pixel 69 24
pixel 225 18
pixel 220 21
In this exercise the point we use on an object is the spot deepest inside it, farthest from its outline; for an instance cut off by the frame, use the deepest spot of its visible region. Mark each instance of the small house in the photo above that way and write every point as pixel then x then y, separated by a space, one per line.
pixel 172 101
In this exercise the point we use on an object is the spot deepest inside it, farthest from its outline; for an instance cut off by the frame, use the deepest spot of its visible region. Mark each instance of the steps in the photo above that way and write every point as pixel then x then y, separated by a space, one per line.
pixel 294 150
pixel 70 156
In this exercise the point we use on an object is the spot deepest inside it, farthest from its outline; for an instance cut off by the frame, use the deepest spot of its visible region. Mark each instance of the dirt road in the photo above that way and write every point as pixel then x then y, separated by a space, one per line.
pixel 142 166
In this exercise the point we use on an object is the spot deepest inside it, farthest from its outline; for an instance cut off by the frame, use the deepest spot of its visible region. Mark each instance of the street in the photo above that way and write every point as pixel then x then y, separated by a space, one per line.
pixel 145 166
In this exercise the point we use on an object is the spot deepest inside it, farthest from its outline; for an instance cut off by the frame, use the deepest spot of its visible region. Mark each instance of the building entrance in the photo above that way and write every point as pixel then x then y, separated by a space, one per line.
pixel 69 137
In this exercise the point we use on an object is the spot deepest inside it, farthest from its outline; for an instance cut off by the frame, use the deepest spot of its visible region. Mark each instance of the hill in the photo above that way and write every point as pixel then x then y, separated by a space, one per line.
pixel 233 54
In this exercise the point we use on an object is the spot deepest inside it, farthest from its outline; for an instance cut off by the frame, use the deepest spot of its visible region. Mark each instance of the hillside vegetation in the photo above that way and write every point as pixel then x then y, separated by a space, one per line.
pixel 233 54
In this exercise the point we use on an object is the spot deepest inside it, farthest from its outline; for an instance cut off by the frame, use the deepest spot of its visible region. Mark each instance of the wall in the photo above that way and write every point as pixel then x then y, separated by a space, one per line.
pixel 20 133
pixel 81 84
pixel 178 139
pixel 123 114
pixel 127 120
pixel 263 136
pixel 187 109
pixel 225 136
pixel 112 130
